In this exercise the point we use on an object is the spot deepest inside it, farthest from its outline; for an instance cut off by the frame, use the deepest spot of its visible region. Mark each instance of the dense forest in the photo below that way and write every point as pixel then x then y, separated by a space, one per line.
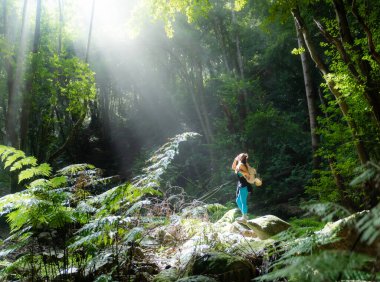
pixel 120 121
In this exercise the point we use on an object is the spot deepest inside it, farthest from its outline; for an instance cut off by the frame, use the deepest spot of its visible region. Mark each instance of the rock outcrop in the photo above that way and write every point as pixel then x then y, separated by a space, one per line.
pixel 267 226
pixel 224 267
pixel 344 235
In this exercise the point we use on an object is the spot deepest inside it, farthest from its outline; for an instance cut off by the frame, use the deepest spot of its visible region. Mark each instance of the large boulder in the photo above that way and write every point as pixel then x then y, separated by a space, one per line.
pixel 267 226
pixel 167 275
pixel 229 216
pixel 344 235
pixel 223 267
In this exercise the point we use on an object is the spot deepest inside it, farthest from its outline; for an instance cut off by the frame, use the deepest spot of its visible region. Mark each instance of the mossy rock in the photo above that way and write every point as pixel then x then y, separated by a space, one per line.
pixel 197 278
pixel 229 216
pixel 225 268
pixel 267 226
pixel 343 235
pixel 167 275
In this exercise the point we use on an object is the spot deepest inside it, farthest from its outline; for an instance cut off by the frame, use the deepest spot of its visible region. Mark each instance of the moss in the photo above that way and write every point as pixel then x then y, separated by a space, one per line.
pixel 167 275
pixel 306 225
pixel 225 267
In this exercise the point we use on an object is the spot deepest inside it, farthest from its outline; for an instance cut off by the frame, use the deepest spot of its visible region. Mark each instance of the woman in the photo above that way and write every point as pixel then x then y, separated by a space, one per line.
pixel 246 176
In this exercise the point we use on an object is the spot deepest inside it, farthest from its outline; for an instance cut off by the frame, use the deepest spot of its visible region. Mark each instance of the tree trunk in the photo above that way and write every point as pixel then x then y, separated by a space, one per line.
pixel 90 31
pixel 244 96
pixel 60 11
pixel 28 95
pixel 310 98
pixel 360 149
pixel 11 109
pixel 222 41
pixel 201 94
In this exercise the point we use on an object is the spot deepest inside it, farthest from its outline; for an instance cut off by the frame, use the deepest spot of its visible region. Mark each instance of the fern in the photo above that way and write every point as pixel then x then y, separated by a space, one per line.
pixel 133 235
pixel 41 170
pixel 160 160
pixel 74 169
pixel 369 226
pixel 27 161
pixel 322 266
pixel 6 151
pixel 86 240
pixel 105 223
pixel 368 172
pixel 12 201
pixel 13 158
pixel 327 211
pixel 301 255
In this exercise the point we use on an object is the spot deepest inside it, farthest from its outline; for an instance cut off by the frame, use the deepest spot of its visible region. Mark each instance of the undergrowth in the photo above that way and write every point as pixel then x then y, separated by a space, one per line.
pixel 63 228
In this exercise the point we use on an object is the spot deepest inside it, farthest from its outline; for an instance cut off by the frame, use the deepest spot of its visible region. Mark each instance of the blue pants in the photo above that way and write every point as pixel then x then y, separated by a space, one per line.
pixel 241 199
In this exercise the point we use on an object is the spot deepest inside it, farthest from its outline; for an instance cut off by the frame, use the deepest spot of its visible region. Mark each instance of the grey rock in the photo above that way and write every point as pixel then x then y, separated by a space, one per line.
pixel 167 275
pixel 267 226
pixel 224 267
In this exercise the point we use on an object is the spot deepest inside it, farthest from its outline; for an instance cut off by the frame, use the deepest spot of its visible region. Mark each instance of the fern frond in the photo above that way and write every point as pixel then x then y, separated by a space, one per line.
pixel 133 235
pixel 137 206
pixel 42 182
pixel 27 161
pixel 12 201
pixel 6 151
pixel 323 266
pixel 369 225
pixel 41 170
pixel 74 169
pixel 17 154
pixel 368 172
pixel 98 261
pixel 21 236
pixel 84 207
pixel 327 211
pixel 160 161
pixel 7 251
pixel 99 223
pixel 53 183
pixel 86 240
pixel 58 181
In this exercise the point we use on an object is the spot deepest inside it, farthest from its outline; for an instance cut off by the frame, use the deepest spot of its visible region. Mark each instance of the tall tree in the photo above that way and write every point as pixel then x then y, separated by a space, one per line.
pixel 310 97
pixel 28 94
pixel 359 144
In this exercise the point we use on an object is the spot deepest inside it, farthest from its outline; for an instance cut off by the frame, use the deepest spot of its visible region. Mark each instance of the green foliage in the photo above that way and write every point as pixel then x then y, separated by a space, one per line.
pixel 166 11
pixel 302 253
pixel 322 266
pixel 326 211
pixel 305 225
pixel 27 165
pixel 55 226
pixel 369 226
